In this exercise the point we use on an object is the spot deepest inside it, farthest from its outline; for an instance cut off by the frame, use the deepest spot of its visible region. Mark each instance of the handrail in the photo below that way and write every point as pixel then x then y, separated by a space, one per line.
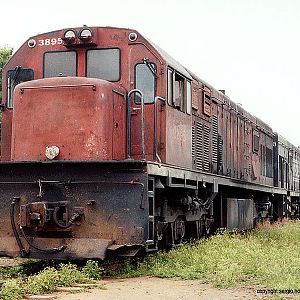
pixel 155 155
pixel 93 86
pixel 129 120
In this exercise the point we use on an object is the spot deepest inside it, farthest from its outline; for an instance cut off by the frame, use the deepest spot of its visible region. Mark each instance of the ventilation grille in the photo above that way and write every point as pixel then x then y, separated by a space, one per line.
pixel 220 150
pixel 197 145
pixel 206 148
pixel 193 142
pixel 201 146
pixel 214 139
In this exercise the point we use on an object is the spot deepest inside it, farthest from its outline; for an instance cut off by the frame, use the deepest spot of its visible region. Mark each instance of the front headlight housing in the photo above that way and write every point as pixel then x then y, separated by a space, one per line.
pixel 86 35
pixel 69 36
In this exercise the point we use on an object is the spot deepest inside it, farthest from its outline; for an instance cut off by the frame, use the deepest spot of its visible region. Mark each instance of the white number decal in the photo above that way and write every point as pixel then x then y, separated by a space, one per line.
pixel 48 42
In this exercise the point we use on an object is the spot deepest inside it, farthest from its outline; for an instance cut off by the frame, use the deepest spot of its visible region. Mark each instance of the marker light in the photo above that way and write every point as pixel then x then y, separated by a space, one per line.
pixel 86 35
pixel 69 36
pixel 132 36
pixel 31 43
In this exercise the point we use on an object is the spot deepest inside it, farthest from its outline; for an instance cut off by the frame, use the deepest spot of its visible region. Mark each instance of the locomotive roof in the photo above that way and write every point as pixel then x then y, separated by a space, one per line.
pixel 165 56
pixel 181 69
pixel 171 61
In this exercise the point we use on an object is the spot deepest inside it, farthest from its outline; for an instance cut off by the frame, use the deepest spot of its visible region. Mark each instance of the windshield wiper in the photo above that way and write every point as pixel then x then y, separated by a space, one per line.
pixel 150 66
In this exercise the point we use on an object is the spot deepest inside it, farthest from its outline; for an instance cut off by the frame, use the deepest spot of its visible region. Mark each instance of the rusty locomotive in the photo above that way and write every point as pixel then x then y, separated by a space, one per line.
pixel 110 146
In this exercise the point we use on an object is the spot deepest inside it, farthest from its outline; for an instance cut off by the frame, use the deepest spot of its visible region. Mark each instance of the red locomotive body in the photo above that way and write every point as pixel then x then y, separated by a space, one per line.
pixel 92 126
pixel 109 144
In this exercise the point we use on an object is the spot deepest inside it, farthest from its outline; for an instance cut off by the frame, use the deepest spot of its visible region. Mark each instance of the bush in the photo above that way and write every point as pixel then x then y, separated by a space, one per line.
pixel 44 282
pixel 68 275
pixel 47 280
pixel 92 270
pixel 11 290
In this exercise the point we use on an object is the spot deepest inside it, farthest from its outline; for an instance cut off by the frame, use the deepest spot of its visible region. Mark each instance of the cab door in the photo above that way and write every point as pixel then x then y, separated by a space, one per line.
pixel 143 77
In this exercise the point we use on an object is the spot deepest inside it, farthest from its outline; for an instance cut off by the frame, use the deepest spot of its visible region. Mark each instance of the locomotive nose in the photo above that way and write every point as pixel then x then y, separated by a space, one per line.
pixel 68 118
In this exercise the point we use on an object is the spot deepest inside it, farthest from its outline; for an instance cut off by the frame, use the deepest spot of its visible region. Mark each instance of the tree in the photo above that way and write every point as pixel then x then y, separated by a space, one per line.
pixel 5 54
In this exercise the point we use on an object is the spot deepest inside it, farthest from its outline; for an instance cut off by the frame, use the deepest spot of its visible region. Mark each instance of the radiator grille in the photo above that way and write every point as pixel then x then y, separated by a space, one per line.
pixel 201 146
pixel 214 139
pixel 220 150
pixel 206 131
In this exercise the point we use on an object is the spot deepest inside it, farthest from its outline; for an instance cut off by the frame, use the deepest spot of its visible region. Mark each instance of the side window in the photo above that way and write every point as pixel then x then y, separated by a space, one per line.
pixel 255 141
pixel 188 97
pixel 103 64
pixel 14 77
pixel 179 91
pixel 269 161
pixel 170 86
pixel 262 160
pixel 62 62
pixel 145 82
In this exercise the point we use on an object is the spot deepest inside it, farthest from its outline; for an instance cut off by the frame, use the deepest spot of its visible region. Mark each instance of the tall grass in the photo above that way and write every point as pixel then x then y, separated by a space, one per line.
pixel 47 280
pixel 268 255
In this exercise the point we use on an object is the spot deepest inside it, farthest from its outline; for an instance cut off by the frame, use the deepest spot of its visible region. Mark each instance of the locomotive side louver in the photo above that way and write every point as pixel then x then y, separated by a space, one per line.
pixel 200 146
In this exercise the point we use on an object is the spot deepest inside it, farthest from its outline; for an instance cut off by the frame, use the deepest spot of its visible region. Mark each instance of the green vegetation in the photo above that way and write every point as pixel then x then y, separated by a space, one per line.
pixel 5 54
pixel 92 270
pixel 268 256
pixel 11 289
pixel 12 272
pixel 47 280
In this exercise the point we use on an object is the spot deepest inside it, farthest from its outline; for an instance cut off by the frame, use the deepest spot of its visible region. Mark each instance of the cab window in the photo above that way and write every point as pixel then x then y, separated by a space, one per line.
pixel 145 82
pixel 188 97
pixel 103 64
pixel 60 63
pixel 179 91
pixel 255 141
pixel 14 77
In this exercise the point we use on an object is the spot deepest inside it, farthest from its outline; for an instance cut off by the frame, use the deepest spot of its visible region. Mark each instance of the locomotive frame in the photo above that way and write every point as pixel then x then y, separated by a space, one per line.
pixel 109 145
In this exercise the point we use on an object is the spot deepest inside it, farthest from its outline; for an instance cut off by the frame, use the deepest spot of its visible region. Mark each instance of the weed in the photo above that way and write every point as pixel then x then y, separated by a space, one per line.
pixel 92 270
pixel 11 290
pixel 11 272
pixel 44 282
pixel 68 274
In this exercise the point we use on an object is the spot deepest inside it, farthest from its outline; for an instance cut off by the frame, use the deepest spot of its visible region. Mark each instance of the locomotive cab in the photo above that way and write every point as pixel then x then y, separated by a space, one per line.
pixel 51 62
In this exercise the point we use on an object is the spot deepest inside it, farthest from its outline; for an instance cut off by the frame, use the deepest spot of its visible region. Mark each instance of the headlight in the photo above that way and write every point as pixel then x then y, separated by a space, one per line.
pixel 69 36
pixel 51 152
pixel 86 34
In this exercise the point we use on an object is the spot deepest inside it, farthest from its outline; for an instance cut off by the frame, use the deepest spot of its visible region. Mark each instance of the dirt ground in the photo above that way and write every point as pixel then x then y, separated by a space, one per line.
pixel 158 288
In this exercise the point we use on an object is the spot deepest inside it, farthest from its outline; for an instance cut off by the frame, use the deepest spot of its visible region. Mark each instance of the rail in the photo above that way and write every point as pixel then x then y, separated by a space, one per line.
pixel 93 86
pixel 155 154
pixel 135 91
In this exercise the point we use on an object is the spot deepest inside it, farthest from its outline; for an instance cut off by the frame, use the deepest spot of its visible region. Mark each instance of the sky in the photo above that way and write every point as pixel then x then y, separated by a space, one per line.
pixel 250 48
